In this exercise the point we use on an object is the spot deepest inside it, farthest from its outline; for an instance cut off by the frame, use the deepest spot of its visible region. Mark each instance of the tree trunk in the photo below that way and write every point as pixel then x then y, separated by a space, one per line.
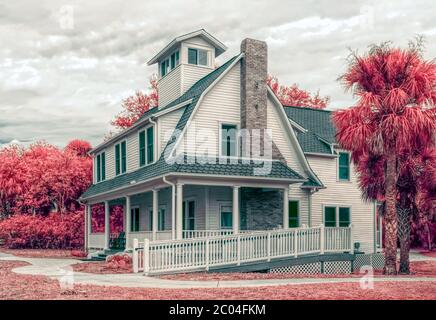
pixel 403 212
pixel 390 267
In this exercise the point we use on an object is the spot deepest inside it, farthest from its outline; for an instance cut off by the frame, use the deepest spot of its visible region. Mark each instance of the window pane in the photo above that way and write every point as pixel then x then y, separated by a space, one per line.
pixel 293 214
pixel 135 219
pixel 226 218
pixel 330 216
pixel 344 217
pixel 202 57
pixel 117 159
pixel 177 58
pixel 228 140
pixel 192 56
pixel 98 168
pixel 142 148
pixel 173 61
pixel 103 166
pixel 150 144
pixel 123 157
pixel 163 69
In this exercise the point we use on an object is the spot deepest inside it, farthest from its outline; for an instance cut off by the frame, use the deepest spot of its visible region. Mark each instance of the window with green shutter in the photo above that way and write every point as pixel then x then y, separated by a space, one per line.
pixel 103 166
pixel 117 159
pixel 142 148
pixel 226 217
pixel 150 144
pixel 294 219
pixel 192 56
pixel 123 157
pixel 344 166
pixel 98 171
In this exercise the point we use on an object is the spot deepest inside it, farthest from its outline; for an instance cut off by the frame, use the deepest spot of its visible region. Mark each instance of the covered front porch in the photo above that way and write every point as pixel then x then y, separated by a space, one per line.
pixel 190 207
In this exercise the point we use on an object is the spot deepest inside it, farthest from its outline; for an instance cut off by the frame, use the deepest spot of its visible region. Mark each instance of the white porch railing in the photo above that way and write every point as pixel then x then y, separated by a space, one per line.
pixel 190 234
pixel 203 253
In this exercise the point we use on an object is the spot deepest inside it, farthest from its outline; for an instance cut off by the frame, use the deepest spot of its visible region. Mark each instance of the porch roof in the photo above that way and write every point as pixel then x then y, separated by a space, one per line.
pixel 212 167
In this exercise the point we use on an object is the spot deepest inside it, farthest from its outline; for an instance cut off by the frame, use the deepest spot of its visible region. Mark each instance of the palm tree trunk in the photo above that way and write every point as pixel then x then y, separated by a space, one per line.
pixel 390 216
pixel 404 236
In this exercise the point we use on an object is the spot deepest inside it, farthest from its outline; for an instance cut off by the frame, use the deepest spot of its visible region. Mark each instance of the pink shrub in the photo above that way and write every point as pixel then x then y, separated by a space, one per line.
pixel 119 261
pixel 54 231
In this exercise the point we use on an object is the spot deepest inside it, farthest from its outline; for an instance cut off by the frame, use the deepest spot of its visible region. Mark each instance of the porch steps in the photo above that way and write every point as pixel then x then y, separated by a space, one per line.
pixel 101 255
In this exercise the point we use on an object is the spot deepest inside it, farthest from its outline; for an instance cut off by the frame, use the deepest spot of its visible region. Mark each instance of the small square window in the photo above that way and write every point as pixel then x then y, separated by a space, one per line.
pixel 226 217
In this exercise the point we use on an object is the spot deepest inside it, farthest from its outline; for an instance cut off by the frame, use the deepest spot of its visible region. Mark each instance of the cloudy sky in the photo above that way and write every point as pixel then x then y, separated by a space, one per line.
pixel 65 66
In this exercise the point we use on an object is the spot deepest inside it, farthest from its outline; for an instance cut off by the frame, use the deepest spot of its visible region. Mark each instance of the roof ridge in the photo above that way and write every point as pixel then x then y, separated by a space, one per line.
pixel 308 108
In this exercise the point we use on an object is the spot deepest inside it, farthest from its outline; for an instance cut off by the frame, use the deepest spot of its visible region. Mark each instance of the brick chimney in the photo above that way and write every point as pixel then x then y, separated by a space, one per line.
pixel 254 90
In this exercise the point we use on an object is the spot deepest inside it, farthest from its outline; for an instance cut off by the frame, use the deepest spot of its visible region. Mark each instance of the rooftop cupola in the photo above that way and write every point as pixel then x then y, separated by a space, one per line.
pixel 184 61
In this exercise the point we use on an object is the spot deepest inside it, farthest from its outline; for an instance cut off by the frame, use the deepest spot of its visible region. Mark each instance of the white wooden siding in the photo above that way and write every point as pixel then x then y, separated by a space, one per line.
pixel 132 154
pixel 110 162
pixel 170 86
pixel 167 123
pixel 282 139
pixel 191 74
pixel 221 104
pixel 342 194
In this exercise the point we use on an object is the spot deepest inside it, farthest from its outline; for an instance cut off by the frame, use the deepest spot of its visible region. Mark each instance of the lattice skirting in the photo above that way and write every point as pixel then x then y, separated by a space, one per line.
pixel 375 260
pixel 330 267
pixel 309 268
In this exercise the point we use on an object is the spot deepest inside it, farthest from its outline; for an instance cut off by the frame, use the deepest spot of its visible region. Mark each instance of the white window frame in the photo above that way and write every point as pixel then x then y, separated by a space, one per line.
pixel 238 138
pixel 198 48
pixel 144 129
pixel 337 206
pixel 338 179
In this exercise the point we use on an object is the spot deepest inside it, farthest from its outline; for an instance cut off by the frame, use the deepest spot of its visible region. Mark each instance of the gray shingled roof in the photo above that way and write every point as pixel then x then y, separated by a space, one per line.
pixel 318 125
pixel 277 170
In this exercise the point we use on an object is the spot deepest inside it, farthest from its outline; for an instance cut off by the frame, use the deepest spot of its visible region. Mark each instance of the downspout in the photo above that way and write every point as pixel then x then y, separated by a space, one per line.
pixel 309 209
pixel 173 206
pixel 85 233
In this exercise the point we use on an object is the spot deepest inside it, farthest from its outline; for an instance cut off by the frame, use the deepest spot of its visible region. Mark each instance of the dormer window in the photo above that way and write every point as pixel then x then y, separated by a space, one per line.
pixel 170 63
pixel 197 57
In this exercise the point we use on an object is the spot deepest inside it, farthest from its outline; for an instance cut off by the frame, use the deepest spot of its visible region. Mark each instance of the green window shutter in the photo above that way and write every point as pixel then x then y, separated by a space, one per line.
pixel 163 69
pixel 330 216
pixel 344 166
pixel 150 144
pixel 192 56
pixel 293 214
pixel 177 58
pixel 150 219
pixel 103 166
pixel 117 159
pixel 98 168
pixel 173 60
pixel 123 157
pixel 344 217
pixel 142 148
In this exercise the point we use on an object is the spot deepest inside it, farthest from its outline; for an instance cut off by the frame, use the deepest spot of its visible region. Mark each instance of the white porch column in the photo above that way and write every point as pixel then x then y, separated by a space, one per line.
pixel 235 209
pixel 286 208
pixel 128 216
pixel 106 224
pixel 179 212
pixel 155 212
pixel 173 212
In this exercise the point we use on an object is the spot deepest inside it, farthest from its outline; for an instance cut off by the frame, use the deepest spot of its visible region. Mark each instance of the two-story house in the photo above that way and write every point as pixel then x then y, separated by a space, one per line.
pixel 221 156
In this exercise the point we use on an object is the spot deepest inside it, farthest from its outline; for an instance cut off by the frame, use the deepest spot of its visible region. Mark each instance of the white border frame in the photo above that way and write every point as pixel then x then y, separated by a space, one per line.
pixel 337 205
